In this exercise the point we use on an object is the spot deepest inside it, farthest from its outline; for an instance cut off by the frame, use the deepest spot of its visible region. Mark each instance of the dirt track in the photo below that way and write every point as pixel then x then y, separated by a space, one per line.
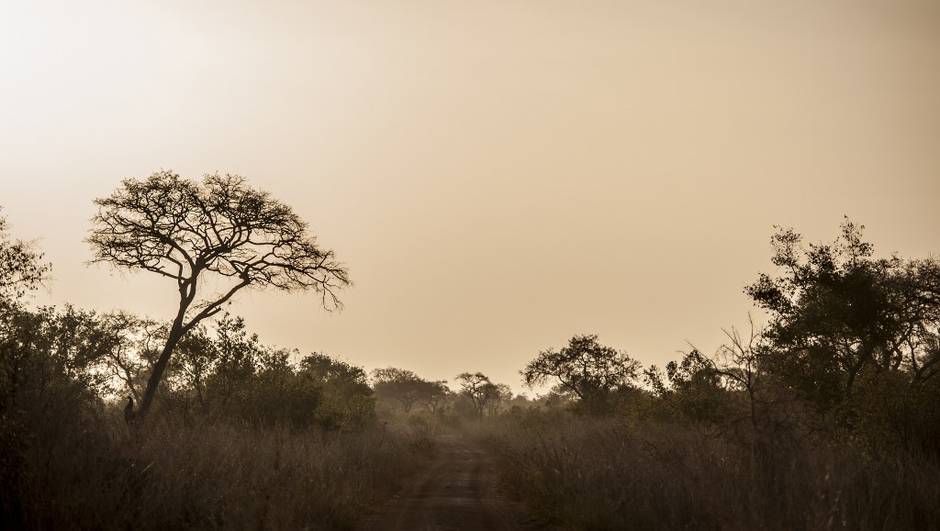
pixel 458 491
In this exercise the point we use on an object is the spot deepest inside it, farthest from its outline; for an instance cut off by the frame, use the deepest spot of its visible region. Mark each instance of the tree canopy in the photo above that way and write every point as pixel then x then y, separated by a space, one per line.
pixel 180 228
pixel 406 388
pixel 584 368
pixel 478 388
pixel 836 311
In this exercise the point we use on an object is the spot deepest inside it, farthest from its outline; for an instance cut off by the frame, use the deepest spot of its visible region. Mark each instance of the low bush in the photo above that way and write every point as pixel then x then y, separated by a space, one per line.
pixel 606 473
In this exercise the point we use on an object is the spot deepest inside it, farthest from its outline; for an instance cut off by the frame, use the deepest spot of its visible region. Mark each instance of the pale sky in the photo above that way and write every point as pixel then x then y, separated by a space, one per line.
pixel 498 176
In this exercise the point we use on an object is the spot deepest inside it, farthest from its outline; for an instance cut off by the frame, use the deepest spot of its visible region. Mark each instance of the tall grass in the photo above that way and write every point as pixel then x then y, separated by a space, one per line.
pixel 173 476
pixel 602 474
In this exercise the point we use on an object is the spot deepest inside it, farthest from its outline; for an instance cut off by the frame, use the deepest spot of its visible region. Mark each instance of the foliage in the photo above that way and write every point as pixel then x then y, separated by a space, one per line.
pixel 346 398
pixel 183 230
pixel 21 267
pixel 836 312
pixel 180 228
pixel 407 389
pixel 224 373
pixel 826 418
pixel 478 388
pixel 692 388
pixel 585 368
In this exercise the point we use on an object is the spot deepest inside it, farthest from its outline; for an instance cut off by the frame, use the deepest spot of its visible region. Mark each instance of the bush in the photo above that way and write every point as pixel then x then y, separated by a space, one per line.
pixel 258 449
pixel 610 474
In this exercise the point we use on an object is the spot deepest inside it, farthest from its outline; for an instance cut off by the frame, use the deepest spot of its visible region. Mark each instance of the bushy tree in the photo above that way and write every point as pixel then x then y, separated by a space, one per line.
pixel 584 368
pixel 837 312
pixel 406 389
pixel 346 396
pixel 478 388
pixel 691 386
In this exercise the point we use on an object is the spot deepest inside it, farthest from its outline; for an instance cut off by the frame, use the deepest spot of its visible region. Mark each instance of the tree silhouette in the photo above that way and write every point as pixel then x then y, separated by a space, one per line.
pixel 584 368
pixel 836 312
pixel 21 267
pixel 406 388
pixel 183 230
pixel 478 388
pixel 497 396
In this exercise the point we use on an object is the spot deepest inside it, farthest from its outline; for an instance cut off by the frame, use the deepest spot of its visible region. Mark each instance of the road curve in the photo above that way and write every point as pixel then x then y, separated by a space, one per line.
pixel 458 491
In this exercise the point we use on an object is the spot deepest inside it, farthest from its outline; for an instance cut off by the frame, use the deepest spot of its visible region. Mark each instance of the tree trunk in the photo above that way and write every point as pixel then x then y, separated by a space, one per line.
pixel 176 333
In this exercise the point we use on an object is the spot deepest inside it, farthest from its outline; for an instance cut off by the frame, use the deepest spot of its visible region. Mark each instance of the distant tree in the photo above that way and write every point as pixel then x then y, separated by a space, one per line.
pixel 405 387
pixel 398 385
pixel 438 397
pixel 837 312
pixel 346 398
pixel 520 402
pixel 583 368
pixel 185 230
pixel 498 396
pixel 478 388
pixel 692 387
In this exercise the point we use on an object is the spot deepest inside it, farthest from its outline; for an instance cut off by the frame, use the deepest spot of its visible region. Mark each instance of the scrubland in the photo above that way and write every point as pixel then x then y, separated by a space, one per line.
pixel 827 417
pixel 613 473
pixel 224 476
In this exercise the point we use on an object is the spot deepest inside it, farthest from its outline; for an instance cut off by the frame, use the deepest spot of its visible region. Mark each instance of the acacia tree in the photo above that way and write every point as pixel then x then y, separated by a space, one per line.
pixel 478 388
pixel 185 230
pixel 584 368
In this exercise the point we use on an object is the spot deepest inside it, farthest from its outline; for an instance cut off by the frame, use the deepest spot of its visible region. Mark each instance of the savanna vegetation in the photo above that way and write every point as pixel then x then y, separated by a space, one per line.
pixel 117 421
pixel 824 416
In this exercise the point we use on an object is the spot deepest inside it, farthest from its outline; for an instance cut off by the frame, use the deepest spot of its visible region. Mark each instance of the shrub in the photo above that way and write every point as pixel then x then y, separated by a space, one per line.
pixel 608 474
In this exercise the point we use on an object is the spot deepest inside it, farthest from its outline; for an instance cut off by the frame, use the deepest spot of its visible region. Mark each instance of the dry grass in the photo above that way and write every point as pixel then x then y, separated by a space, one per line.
pixel 606 474
pixel 215 477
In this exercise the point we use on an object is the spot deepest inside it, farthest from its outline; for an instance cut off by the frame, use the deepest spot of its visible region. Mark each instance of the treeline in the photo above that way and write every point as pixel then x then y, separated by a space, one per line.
pixel 851 346
pixel 53 358
pixel 240 434
pixel 826 417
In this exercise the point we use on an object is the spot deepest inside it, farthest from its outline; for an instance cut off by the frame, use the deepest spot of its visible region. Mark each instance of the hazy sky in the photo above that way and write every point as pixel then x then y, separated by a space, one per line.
pixel 497 175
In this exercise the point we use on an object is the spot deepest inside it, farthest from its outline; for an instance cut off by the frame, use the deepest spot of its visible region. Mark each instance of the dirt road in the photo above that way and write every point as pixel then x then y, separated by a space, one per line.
pixel 458 491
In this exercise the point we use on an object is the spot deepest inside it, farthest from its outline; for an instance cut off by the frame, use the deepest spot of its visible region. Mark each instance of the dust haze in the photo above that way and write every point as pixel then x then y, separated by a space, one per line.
pixel 463 264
